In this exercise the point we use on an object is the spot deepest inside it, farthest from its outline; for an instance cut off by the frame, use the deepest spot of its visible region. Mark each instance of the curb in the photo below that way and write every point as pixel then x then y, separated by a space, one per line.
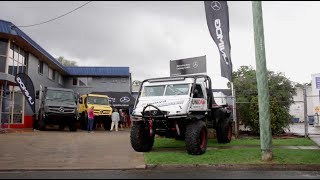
pixel 282 167
pixel 142 167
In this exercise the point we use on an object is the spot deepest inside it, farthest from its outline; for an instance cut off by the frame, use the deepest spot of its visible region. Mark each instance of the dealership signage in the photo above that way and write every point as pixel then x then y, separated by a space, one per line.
pixel 192 65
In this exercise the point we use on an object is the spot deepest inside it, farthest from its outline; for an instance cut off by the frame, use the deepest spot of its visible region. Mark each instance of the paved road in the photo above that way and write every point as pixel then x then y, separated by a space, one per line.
pixel 187 173
pixel 68 150
pixel 57 150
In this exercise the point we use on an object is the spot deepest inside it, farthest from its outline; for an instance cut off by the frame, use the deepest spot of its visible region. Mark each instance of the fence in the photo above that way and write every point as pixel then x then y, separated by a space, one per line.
pixel 305 112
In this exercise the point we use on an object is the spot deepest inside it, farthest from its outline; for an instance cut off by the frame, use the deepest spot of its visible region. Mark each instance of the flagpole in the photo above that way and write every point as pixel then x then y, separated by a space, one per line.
pixel 234 112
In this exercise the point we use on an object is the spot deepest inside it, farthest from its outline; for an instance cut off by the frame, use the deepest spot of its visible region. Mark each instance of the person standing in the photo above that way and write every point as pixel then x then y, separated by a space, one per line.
pixel 115 117
pixel 90 119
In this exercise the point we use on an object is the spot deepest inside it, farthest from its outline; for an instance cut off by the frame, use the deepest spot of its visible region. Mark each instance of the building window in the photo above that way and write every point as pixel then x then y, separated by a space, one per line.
pixel 114 80
pixel 3 64
pixel 53 75
pixel 123 80
pixel 17 60
pixel 40 67
pixel 3 47
pixel 83 81
pixel 50 73
pixel 59 78
pixel 75 81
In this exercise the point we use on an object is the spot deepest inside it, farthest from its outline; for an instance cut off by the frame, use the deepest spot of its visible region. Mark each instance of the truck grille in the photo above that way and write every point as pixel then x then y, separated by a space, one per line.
pixel 155 113
pixel 102 112
pixel 58 109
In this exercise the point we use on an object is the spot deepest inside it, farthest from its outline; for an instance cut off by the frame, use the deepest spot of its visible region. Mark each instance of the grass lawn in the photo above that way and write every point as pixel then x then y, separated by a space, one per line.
pixel 171 151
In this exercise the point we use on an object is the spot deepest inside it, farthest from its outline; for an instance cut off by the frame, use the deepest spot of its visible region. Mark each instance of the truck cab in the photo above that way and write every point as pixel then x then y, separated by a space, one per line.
pixel 58 106
pixel 102 110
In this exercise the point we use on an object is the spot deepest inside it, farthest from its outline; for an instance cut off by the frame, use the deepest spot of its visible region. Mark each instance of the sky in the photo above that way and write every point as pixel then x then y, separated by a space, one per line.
pixel 146 35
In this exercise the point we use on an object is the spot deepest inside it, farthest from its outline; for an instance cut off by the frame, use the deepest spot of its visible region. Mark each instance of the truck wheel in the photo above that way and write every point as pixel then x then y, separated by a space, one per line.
pixel 196 137
pixel 61 127
pixel 84 121
pixel 140 137
pixel 107 124
pixel 42 121
pixel 73 125
pixel 224 131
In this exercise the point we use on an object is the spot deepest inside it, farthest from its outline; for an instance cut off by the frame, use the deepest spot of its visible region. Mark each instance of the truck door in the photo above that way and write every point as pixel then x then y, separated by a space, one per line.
pixel 199 99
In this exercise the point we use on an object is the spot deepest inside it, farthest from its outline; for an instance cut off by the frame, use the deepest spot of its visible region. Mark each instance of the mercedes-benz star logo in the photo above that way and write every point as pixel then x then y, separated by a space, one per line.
pixel 61 109
pixel 124 99
pixel 195 64
pixel 215 5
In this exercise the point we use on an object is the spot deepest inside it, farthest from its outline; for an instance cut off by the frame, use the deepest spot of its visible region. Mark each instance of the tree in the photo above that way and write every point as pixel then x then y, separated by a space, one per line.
pixel 136 83
pixel 281 91
pixel 66 62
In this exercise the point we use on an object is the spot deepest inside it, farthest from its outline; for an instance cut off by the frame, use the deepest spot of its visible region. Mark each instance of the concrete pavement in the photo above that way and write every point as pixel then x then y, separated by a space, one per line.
pixel 299 129
pixel 54 150
pixel 23 149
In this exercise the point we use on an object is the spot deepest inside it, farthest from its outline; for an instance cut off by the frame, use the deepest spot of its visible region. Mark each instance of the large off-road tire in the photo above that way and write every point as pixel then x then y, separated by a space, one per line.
pixel 140 137
pixel 41 121
pixel 196 137
pixel 224 128
pixel 84 121
pixel 61 126
pixel 73 125
pixel 107 123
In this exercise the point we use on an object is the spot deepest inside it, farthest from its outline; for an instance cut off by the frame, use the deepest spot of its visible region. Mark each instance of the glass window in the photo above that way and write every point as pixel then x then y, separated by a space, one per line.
pixel 177 89
pixel 82 81
pixel 53 75
pixel 3 46
pixel 153 90
pixel 59 78
pixel 2 64
pixel 40 67
pixel 50 73
pixel 11 51
pixel 16 52
pixel 198 92
pixel 75 81
pixel 10 67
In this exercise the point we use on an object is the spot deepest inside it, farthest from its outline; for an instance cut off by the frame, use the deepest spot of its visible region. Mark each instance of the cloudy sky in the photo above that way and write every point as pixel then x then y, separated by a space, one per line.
pixel 146 35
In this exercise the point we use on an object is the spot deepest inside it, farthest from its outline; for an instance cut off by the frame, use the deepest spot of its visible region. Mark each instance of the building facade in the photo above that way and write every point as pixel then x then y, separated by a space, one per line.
pixel 20 54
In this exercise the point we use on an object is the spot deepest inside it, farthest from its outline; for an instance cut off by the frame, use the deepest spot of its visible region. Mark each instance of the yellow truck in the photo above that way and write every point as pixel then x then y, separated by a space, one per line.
pixel 102 110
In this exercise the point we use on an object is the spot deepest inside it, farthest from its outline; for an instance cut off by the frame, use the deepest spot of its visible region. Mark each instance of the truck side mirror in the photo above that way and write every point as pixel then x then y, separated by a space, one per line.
pixel 37 94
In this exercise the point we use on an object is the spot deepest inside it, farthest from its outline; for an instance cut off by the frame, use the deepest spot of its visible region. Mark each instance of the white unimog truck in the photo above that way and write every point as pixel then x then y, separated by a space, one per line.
pixel 180 107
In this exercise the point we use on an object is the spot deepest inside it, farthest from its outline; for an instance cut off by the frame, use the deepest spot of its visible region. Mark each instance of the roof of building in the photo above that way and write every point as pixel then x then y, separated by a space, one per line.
pixel 9 28
pixel 98 71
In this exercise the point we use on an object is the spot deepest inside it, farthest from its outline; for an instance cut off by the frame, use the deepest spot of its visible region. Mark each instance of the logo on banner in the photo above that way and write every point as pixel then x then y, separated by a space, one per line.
pixel 124 99
pixel 195 64
pixel 23 87
pixel 215 5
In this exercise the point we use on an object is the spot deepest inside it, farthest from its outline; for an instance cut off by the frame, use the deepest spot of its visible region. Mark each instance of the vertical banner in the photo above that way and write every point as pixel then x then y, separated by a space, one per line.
pixel 27 88
pixel 218 23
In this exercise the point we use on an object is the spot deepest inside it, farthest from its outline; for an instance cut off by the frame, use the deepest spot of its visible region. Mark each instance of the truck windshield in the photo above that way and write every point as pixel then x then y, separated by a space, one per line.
pixel 166 90
pixel 60 95
pixel 98 100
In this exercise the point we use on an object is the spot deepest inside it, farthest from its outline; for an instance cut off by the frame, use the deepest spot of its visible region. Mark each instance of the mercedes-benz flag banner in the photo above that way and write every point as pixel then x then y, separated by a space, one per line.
pixel 218 23
pixel 192 65
pixel 27 88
